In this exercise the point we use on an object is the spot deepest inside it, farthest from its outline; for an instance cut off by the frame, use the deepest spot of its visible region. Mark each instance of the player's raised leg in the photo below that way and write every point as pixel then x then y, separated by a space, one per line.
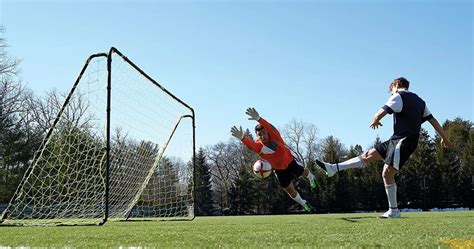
pixel 355 162
pixel 290 189
pixel 312 180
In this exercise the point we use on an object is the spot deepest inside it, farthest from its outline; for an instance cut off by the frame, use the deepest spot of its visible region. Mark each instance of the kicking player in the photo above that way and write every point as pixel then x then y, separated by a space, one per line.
pixel 271 147
pixel 409 112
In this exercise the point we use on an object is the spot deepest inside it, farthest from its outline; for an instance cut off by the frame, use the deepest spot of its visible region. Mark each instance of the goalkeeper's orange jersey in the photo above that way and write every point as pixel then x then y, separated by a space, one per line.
pixel 275 151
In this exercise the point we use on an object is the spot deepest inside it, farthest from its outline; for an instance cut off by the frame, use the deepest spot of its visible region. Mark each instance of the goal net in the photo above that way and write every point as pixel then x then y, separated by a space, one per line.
pixel 122 147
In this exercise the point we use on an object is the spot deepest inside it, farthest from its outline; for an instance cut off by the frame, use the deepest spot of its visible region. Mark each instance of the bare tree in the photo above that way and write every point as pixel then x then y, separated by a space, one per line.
pixel 12 98
pixel 8 65
pixel 45 109
pixel 225 160
pixel 77 113
pixel 12 95
pixel 301 139
pixel 17 142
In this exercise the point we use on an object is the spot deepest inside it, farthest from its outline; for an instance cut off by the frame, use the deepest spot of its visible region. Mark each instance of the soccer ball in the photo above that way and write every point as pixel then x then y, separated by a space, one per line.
pixel 262 168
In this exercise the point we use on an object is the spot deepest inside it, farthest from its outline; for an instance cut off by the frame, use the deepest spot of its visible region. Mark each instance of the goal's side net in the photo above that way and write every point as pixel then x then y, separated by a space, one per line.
pixel 122 147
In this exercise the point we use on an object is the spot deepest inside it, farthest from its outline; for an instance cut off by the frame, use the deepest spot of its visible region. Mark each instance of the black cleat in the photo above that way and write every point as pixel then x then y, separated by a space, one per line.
pixel 326 167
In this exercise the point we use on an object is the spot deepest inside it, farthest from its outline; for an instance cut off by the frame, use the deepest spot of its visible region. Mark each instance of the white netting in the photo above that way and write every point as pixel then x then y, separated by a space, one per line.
pixel 151 151
pixel 66 179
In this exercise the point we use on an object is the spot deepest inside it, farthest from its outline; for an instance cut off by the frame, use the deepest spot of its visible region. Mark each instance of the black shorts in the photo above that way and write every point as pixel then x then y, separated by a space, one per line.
pixel 396 151
pixel 293 171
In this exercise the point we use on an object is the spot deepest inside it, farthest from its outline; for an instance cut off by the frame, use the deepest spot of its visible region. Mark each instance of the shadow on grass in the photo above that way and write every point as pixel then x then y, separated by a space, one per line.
pixel 356 219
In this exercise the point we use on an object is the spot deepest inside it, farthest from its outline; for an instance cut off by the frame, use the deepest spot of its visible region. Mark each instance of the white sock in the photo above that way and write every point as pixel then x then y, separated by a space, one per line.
pixel 355 162
pixel 298 199
pixel 310 176
pixel 391 191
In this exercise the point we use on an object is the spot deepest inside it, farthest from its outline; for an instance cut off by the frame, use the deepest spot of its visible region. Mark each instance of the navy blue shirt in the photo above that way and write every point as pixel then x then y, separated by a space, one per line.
pixel 409 111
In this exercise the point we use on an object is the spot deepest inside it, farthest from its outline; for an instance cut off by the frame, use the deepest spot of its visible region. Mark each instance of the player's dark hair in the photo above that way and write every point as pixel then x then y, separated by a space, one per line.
pixel 258 127
pixel 399 82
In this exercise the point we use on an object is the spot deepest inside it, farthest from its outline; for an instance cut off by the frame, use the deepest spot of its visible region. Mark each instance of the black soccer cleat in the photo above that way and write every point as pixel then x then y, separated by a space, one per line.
pixel 321 165
pixel 327 168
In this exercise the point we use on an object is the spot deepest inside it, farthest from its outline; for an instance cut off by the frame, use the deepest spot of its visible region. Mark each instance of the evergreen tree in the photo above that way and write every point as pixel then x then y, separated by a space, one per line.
pixel 468 168
pixel 353 177
pixel 243 193
pixel 277 198
pixel 371 186
pixel 15 153
pixel 203 192
pixel 416 176
pixel 334 189
pixel 456 163
pixel 18 141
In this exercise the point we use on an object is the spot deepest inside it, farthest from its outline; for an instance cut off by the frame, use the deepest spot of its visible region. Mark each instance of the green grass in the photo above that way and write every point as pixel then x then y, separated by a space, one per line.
pixel 413 230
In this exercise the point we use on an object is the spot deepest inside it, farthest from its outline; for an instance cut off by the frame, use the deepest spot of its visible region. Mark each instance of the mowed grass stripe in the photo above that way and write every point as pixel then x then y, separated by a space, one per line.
pixel 413 230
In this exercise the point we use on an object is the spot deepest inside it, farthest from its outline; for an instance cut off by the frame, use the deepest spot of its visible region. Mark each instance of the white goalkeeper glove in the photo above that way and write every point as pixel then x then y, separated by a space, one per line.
pixel 252 113
pixel 237 132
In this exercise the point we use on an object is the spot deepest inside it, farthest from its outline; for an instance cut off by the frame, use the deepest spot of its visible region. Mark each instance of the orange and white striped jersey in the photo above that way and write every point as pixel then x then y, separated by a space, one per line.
pixel 275 151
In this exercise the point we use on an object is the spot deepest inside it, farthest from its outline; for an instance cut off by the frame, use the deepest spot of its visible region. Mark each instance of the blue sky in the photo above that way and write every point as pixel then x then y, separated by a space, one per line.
pixel 328 63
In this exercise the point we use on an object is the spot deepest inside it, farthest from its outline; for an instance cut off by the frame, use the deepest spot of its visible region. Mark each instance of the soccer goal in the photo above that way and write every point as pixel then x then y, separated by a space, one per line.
pixel 122 147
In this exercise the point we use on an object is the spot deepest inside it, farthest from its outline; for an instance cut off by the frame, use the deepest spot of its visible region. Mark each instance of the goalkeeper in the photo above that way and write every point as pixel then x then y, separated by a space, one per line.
pixel 271 147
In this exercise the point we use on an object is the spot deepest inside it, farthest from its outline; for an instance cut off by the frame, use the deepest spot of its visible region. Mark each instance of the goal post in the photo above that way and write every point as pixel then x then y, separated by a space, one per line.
pixel 121 147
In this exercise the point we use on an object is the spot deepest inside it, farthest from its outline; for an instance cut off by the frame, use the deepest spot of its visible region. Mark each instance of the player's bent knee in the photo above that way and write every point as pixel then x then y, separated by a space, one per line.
pixel 388 172
pixel 291 191
pixel 364 155
pixel 292 194
pixel 370 156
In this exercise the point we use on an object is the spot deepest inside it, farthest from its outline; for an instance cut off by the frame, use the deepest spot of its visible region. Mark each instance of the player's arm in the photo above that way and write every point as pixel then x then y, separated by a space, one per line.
pixel 239 134
pixel 272 131
pixel 377 117
pixel 252 145
pixel 427 116
pixel 444 139
pixel 393 104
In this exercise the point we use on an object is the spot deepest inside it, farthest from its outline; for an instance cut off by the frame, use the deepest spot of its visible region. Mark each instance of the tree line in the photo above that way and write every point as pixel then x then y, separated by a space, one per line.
pixel 224 182
pixel 434 177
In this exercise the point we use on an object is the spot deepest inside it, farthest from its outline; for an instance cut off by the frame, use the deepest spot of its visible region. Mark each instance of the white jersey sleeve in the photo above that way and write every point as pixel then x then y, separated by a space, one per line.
pixel 427 112
pixel 394 104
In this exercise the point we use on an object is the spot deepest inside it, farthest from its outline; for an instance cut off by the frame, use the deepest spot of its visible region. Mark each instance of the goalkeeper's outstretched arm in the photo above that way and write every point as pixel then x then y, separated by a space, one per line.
pixel 243 136
pixel 253 115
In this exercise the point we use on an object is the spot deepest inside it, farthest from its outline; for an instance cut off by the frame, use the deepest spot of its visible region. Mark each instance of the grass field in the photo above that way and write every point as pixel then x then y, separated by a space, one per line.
pixel 413 230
